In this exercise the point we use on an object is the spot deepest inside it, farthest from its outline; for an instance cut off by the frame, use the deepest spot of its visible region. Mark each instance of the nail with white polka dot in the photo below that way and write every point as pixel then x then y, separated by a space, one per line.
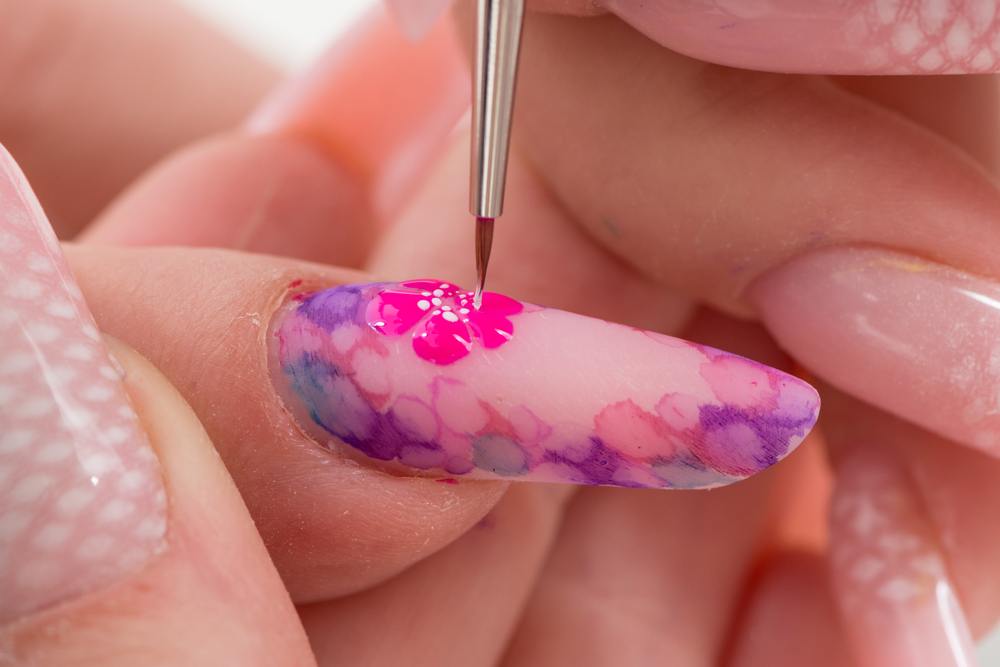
pixel 889 571
pixel 81 497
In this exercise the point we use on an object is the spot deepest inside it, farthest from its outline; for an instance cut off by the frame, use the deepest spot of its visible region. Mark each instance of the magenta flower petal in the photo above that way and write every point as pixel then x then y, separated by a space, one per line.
pixel 396 311
pixel 426 285
pixel 442 342
pixel 498 304
pixel 451 324
pixel 491 329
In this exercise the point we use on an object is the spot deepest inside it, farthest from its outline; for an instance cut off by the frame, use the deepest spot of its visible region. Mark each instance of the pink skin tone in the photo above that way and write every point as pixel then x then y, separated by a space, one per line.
pixel 891 576
pixel 368 135
pixel 815 36
pixel 81 498
pixel 928 335
pixel 413 375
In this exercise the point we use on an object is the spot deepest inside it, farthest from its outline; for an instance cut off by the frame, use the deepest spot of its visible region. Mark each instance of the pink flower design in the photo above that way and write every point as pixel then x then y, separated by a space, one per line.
pixel 447 323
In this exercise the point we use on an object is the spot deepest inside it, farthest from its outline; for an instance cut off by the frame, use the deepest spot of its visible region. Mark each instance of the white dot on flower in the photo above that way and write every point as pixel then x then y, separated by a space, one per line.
pixel 423 304
pixel 464 311
pixel 445 285
pixel 438 292
pixel 450 316
pixel 425 294
pixel 446 308
pixel 436 301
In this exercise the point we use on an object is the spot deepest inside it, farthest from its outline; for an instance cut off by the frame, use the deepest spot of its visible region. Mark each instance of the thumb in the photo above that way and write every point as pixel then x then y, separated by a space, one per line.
pixel 106 548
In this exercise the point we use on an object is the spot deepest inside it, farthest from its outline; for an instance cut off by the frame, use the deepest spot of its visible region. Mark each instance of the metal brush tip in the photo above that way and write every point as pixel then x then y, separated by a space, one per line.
pixel 484 243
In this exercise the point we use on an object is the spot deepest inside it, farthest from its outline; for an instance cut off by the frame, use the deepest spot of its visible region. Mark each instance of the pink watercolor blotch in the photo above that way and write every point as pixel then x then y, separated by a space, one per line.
pixel 409 374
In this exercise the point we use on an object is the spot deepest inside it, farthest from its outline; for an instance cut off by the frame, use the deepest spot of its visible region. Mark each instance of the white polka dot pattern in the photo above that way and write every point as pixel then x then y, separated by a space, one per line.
pixel 81 497
pixel 929 36
pixel 889 572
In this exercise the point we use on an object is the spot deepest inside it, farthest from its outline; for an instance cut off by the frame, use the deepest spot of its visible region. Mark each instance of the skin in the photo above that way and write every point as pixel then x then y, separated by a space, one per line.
pixel 334 529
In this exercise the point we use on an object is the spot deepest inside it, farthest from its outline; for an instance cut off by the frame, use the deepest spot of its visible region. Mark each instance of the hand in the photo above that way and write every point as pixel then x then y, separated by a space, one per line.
pixel 611 528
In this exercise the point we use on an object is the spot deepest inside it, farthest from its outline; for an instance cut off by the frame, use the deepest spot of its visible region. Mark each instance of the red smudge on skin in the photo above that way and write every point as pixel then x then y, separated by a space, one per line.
pixel 295 283
pixel 447 480
pixel 298 297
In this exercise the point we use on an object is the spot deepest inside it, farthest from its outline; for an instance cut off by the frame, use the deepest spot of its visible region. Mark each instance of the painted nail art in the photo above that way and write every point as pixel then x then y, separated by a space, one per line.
pixel 890 576
pixel 916 338
pixel 859 37
pixel 81 497
pixel 413 375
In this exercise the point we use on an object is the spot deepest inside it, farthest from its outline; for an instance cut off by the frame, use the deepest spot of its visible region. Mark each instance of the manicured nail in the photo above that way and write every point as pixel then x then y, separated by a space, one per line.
pixel 377 101
pixel 81 497
pixel 864 37
pixel 413 375
pixel 915 338
pixel 416 17
pixel 890 576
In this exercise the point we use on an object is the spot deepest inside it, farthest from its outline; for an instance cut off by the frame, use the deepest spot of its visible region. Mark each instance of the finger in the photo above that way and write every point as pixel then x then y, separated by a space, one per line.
pixel 892 583
pixel 463 603
pixel 81 107
pixel 378 100
pixel 212 342
pixel 309 175
pixel 867 37
pixel 647 572
pixel 962 109
pixel 332 526
pixel 106 550
pixel 937 503
pixel 791 617
pixel 811 189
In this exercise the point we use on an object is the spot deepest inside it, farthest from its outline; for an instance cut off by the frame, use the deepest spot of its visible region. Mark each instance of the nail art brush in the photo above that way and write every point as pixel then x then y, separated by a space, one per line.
pixel 498 41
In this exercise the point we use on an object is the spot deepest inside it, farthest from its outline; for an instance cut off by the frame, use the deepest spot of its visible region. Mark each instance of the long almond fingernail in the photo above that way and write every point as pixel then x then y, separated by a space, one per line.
pixel 81 498
pixel 916 338
pixel 412 374
pixel 890 575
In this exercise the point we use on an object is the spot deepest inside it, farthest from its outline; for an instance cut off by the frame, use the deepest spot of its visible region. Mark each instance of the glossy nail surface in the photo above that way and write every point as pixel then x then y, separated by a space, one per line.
pixel 890 576
pixel 412 374
pixel 81 497
pixel 916 338
pixel 828 36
